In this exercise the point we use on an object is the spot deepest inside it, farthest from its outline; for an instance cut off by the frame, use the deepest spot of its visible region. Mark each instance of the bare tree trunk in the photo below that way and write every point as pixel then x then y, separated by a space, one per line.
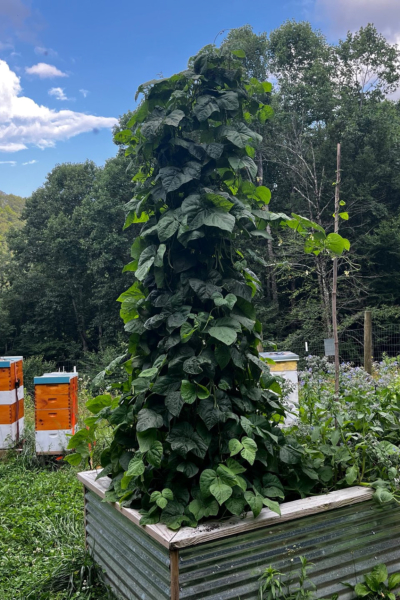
pixel 271 255
pixel 80 326
pixel 335 270
pixel 324 292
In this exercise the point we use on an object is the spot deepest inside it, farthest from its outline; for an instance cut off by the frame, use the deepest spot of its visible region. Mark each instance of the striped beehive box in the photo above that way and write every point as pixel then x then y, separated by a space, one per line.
pixel 56 408
pixel 11 400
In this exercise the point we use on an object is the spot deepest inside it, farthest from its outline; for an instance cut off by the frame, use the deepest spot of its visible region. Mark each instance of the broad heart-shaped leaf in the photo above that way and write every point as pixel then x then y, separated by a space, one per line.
pixel 249 450
pixel 188 391
pixel 173 178
pixel 203 289
pixel 263 193
pixel 136 466
pixel 220 491
pixel 154 455
pixel 236 505
pixel 146 439
pixel 184 438
pixel 234 466
pixel 188 468
pixel 226 335
pixel 192 366
pixel 205 107
pixel 148 419
pixel 207 478
pixel 272 505
pixel 166 227
pixel 235 447
pixel 174 403
pixel 203 507
pixel 255 501
pixel 228 100
pixel 237 163
pixel 174 118
pixel 214 218
pixel 223 356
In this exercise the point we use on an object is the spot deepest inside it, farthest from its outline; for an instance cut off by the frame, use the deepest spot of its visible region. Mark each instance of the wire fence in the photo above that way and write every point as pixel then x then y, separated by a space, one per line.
pixel 385 341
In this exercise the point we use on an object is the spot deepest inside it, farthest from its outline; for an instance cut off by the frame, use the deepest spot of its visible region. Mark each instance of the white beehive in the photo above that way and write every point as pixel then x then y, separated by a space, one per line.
pixel 286 366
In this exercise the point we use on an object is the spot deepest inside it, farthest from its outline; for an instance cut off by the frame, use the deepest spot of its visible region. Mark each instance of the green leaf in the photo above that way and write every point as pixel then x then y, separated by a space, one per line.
pixel 236 505
pixel 254 501
pixel 214 218
pixel 223 356
pixel 207 478
pixel 188 468
pixel 237 163
pixel 166 227
pixel 249 450
pixel 344 215
pixel 203 507
pixel 361 590
pixel 146 439
pixel 148 419
pixel 234 447
pixel 188 391
pixel 95 405
pixel 382 496
pixel 394 581
pixel 239 53
pixel 220 491
pixel 136 466
pixel 377 575
pixel 351 475
pixel 226 335
pixel 174 403
pixel 234 466
pixel 274 506
pixel 205 106
pixel 74 459
pixel 263 193
pixel 148 372
pixel 154 454
pixel 201 391
pixel 174 118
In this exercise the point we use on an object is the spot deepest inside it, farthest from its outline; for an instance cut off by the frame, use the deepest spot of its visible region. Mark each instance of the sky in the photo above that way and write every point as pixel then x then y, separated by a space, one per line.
pixel 70 68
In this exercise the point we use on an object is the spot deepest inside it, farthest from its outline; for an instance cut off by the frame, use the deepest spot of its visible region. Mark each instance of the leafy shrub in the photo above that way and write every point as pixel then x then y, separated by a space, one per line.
pixel 374 585
pixel 357 434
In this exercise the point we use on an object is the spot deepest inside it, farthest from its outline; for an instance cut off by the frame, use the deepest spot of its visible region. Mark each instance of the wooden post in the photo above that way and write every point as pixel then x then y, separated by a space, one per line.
pixel 368 341
pixel 335 270
pixel 174 569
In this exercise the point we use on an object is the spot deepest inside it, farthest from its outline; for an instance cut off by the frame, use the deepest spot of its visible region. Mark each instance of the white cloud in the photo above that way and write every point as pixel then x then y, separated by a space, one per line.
pixel 24 123
pixel 41 51
pixel 345 15
pixel 44 71
pixel 12 163
pixel 84 93
pixel 58 93
pixel 30 162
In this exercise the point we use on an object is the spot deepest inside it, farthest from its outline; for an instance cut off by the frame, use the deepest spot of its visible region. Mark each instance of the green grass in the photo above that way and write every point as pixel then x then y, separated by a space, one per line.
pixel 42 550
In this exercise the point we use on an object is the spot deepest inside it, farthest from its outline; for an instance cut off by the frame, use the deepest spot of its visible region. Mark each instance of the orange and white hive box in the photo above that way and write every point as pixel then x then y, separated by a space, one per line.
pixel 56 409
pixel 11 400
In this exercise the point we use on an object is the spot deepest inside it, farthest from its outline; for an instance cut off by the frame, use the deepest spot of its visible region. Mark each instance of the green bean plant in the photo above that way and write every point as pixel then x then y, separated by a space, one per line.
pixel 195 422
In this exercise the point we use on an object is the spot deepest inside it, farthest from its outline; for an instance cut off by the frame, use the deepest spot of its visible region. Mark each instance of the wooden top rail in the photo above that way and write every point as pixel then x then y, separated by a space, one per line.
pixel 213 530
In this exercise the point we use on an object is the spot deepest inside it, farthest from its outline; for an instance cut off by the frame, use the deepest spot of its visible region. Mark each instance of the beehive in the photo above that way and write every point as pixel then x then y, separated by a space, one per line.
pixel 56 408
pixel 286 367
pixel 11 400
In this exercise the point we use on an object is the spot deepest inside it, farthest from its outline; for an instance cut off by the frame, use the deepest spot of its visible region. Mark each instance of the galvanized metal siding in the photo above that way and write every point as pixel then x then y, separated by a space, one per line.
pixel 136 566
pixel 341 543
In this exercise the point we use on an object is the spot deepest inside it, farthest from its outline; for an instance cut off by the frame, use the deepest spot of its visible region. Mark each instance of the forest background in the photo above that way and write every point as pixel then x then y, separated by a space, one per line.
pixel 62 251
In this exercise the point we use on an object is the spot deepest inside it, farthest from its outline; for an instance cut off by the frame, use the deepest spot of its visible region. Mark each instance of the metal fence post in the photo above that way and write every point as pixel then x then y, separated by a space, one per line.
pixel 368 341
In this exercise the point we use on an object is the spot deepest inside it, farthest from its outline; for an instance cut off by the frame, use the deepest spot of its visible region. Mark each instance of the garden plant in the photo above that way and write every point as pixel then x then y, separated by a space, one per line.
pixel 196 420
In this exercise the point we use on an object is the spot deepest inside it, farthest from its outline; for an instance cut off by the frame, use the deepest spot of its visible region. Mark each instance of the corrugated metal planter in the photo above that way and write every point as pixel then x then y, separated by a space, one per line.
pixel 343 533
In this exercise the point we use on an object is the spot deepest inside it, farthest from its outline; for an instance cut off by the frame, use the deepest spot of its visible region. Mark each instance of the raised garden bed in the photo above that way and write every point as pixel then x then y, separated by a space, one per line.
pixel 343 533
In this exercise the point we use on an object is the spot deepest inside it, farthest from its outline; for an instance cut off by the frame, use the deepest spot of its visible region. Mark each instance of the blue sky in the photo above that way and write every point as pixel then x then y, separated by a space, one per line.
pixel 69 68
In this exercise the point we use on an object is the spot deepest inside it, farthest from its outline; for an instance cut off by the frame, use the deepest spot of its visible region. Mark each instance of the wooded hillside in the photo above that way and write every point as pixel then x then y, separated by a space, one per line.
pixel 58 293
